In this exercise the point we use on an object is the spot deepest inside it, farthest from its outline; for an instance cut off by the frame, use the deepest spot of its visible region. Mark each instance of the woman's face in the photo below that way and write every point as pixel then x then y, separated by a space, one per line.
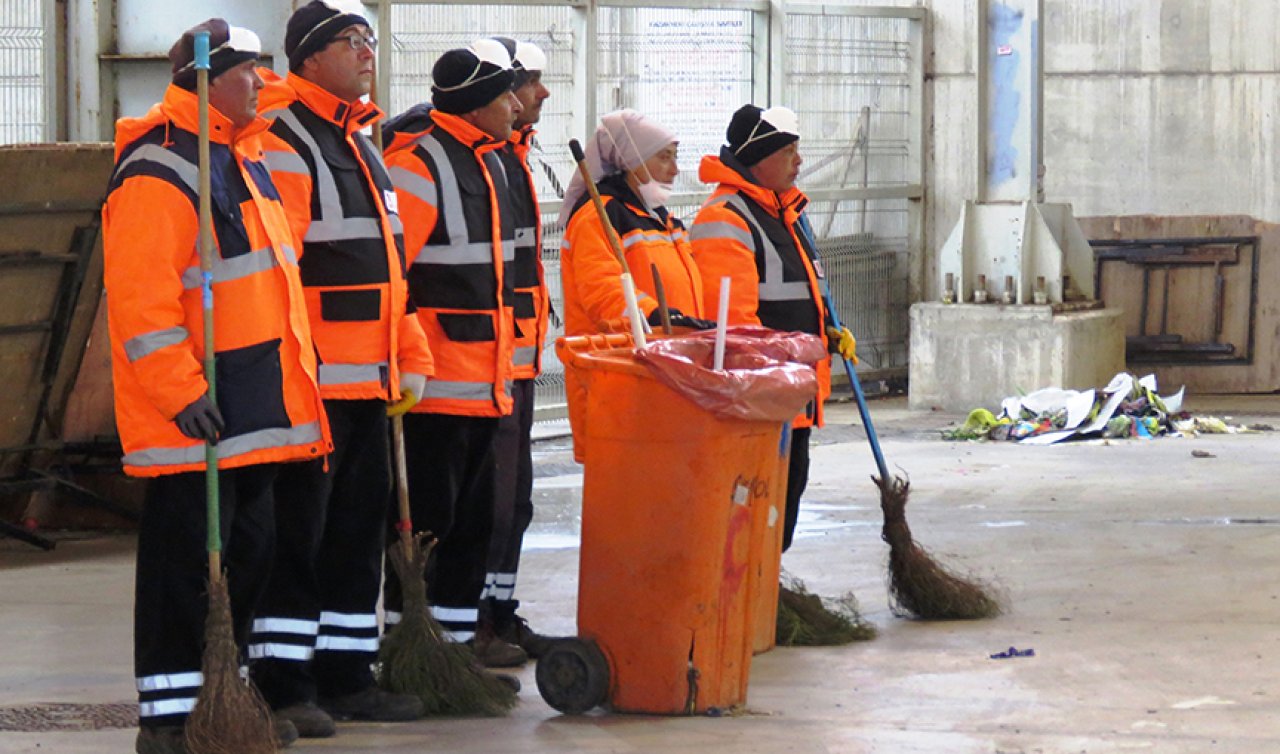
pixel 661 166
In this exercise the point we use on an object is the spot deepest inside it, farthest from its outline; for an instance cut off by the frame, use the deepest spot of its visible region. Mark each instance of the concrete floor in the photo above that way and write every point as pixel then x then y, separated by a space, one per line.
pixel 1143 577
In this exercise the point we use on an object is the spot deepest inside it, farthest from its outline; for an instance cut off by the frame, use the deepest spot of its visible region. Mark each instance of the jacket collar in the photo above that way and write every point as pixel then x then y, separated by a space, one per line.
pixel 464 132
pixel 347 116
pixel 183 108
pixel 616 185
pixel 727 171
pixel 521 140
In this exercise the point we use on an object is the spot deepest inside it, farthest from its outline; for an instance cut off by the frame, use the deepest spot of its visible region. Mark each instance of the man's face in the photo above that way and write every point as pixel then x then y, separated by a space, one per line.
pixel 234 93
pixel 344 71
pixel 531 96
pixel 497 117
pixel 778 171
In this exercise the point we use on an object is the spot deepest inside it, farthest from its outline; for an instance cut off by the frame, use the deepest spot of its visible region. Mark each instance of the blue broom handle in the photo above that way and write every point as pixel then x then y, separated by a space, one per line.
pixel 848 365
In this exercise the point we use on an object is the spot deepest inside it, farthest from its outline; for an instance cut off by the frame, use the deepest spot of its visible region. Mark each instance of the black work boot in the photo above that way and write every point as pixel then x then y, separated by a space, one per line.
pixel 515 630
pixel 492 651
pixel 167 739
pixel 373 703
pixel 309 719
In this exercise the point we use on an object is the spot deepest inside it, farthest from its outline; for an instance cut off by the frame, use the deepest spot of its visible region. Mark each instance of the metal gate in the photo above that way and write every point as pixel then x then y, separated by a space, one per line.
pixel 27 65
pixel 854 74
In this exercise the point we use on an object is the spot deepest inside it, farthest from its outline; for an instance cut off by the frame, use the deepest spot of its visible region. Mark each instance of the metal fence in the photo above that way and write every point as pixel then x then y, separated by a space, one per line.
pixel 854 75
pixel 24 71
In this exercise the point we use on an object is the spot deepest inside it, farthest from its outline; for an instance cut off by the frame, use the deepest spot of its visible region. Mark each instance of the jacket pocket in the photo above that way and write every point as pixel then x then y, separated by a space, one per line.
pixel 522 303
pixel 467 328
pixel 351 306
pixel 251 388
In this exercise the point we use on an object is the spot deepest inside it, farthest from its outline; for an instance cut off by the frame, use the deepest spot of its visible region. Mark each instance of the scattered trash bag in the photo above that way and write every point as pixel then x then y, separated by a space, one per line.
pixel 768 375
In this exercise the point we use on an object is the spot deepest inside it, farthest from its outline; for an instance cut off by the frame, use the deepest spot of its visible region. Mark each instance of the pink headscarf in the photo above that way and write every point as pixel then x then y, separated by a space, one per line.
pixel 623 141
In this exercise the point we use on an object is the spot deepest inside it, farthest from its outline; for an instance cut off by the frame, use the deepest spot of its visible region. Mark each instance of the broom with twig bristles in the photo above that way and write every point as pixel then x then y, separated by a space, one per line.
pixel 416 657
pixel 230 716
pixel 919 586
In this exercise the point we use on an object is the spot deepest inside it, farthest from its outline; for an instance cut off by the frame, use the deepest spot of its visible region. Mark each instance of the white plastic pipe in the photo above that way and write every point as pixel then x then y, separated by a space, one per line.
pixel 633 311
pixel 722 323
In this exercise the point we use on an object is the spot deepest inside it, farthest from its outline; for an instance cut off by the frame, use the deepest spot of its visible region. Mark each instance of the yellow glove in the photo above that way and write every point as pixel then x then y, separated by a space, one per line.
pixel 841 341
pixel 412 386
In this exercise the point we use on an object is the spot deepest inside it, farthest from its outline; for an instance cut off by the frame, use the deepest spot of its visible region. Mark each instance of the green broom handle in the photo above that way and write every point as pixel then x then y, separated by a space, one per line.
pixel 213 518
pixel 848 365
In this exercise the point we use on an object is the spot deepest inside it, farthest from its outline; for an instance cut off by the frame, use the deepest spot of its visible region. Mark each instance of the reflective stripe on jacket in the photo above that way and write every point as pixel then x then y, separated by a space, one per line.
pixel 341 205
pixel 460 240
pixel 531 304
pixel 750 234
pixel 590 273
pixel 266 369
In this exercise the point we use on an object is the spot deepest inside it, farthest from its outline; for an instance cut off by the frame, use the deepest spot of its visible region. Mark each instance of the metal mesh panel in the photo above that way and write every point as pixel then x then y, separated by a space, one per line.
pixel 22 71
pixel 422 33
pixel 868 279
pixel 687 69
pixel 836 66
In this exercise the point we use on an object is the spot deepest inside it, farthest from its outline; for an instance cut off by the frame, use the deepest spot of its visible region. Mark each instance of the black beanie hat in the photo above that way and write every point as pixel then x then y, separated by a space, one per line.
pixel 753 137
pixel 469 78
pixel 313 26
pixel 229 46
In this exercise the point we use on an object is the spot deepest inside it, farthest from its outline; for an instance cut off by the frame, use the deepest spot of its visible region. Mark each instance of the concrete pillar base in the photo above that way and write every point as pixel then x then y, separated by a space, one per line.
pixel 965 356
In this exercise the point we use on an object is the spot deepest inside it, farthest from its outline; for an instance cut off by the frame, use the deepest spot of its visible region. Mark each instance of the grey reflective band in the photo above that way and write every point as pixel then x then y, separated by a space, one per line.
pixel 148 343
pixel 276 437
pixel 235 268
pixel 634 238
pixel 526 236
pixel 351 374
pixel 413 184
pixel 524 355
pixel 460 249
pixel 712 231
pixel 397 227
pixel 772 286
pixel 168 681
pixel 331 225
pixel 187 172
pixel 470 391
pixel 280 161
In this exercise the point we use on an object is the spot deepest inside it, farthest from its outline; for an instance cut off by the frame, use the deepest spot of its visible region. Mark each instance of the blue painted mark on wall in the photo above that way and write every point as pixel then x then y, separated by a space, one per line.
pixel 1002 156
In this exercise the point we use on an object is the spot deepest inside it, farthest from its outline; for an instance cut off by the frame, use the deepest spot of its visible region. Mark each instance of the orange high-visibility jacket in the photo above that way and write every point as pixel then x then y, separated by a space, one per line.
pixel 750 234
pixel 266 368
pixel 532 303
pixel 459 235
pixel 342 207
pixel 593 298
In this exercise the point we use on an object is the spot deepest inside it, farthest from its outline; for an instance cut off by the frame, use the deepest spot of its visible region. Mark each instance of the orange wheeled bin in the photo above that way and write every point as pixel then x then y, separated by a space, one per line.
pixel 679 505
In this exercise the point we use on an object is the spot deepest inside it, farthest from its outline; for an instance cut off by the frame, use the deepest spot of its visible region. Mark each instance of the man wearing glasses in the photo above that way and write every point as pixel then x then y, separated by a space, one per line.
pixel 315 636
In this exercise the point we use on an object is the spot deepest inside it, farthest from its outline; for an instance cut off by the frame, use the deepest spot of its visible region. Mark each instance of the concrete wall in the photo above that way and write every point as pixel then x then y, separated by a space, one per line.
pixel 1163 107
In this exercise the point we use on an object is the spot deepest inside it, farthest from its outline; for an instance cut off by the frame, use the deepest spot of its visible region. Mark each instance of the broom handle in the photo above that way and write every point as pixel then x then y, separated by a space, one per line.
pixel 848 365
pixel 402 487
pixel 628 285
pixel 213 517
pixel 661 294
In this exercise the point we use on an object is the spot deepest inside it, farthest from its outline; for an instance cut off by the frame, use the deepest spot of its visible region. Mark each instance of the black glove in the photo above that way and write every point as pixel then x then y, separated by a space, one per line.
pixel 680 319
pixel 201 420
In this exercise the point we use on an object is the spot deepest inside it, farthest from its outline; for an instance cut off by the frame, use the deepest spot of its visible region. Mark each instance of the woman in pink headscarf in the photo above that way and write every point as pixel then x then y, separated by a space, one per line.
pixel 633 161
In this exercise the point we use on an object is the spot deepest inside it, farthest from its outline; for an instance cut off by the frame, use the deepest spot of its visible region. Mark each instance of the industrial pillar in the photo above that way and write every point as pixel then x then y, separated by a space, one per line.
pixel 1016 274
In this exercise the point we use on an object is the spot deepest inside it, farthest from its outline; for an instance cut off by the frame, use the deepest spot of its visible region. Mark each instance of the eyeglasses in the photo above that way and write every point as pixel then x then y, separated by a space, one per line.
pixel 357 41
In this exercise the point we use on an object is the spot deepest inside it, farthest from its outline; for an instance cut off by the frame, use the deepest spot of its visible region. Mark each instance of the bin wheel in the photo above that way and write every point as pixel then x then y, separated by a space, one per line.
pixel 573 676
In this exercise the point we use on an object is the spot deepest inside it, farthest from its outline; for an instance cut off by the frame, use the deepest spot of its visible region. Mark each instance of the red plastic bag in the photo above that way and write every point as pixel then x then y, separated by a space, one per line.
pixel 768 374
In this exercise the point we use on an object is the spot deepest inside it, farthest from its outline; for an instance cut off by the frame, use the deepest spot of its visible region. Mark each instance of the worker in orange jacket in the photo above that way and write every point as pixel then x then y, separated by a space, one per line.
pixel 748 230
pixel 460 238
pixel 513 501
pixel 633 161
pixel 316 633
pixel 268 407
